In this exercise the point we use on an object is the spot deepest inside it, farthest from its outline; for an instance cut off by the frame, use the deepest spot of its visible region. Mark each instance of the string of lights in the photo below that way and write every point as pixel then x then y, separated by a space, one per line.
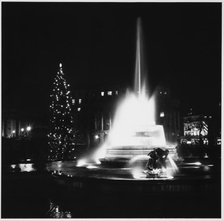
pixel 61 134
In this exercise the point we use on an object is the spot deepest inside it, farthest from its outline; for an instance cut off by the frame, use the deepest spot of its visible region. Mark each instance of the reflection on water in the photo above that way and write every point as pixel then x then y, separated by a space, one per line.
pixel 56 212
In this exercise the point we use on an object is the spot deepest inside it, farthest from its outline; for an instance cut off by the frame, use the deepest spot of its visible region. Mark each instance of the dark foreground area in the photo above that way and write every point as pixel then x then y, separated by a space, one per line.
pixel 38 194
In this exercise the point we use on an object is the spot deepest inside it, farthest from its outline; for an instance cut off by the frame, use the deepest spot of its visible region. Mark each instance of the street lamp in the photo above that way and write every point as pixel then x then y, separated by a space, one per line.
pixel 28 128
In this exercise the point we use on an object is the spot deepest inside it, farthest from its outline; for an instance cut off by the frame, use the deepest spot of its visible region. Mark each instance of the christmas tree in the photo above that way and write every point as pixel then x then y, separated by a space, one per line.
pixel 61 135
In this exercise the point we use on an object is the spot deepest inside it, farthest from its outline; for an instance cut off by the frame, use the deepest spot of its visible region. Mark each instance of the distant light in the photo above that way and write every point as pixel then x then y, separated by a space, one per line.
pixel 22 129
pixel 97 137
pixel 165 92
pixel 91 167
pixel 109 93
pixel 79 109
pixel 116 92
pixel 60 65
pixel 80 100
pixel 73 101
pixel 188 142
pixel 197 163
pixel 28 128
pixel 210 116
pixel 160 92
pixel 26 167
pixel 13 131
pixel 102 93
pixel 162 114
pixel 13 166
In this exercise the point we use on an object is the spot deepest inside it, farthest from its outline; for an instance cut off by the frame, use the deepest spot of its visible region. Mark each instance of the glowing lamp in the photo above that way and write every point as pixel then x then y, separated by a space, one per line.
pixel 13 166
pixel 13 131
pixel 22 129
pixel 28 128
pixel 97 137
pixel 162 114
pixel 197 163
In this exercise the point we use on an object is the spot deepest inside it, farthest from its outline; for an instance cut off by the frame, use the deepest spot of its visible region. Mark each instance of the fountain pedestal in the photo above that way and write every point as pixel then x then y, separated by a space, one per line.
pixel 140 141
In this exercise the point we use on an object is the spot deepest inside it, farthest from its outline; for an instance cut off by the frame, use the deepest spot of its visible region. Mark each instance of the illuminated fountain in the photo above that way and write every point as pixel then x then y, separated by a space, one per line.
pixel 133 170
pixel 134 133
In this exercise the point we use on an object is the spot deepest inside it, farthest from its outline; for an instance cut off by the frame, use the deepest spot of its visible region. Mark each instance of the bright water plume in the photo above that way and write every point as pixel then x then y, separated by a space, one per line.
pixel 135 113
pixel 134 126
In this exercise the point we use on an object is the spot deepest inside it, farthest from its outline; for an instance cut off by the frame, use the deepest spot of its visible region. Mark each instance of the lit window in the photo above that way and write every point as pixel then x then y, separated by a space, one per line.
pixel 73 101
pixel 80 100
pixel 162 114
pixel 102 93
pixel 79 109
pixel 109 93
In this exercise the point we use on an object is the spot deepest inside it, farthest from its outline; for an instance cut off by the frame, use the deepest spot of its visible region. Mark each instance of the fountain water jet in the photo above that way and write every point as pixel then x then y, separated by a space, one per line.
pixel 134 132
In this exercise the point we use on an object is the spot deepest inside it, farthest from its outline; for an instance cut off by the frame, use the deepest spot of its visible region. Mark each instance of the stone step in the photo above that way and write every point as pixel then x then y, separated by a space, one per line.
pixel 134 148
pixel 128 152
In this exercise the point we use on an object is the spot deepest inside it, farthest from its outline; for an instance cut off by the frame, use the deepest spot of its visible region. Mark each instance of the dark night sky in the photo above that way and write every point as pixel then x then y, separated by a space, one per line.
pixel 96 44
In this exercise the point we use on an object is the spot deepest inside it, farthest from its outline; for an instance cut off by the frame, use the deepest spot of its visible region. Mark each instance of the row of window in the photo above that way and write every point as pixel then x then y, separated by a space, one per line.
pixel 109 93
pixel 78 100
pixel 163 92
pixel 103 93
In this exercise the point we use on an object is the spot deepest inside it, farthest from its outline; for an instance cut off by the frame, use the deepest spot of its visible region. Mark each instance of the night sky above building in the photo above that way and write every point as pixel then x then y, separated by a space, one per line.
pixel 96 44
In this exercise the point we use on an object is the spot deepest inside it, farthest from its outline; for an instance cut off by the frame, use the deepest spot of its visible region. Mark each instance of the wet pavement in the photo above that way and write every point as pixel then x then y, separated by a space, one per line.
pixel 72 192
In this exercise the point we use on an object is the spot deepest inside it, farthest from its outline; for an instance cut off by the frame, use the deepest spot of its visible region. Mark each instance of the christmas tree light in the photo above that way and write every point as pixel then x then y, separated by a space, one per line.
pixel 61 135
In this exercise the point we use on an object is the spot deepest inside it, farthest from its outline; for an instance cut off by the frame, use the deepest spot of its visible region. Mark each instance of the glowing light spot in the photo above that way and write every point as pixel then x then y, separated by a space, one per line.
pixel 13 166
pixel 91 167
pixel 197 163
pixel 162 114
pixel 28 128
pixel 137 173
pixel 22 129
pixel 26 167
pixel 81 163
